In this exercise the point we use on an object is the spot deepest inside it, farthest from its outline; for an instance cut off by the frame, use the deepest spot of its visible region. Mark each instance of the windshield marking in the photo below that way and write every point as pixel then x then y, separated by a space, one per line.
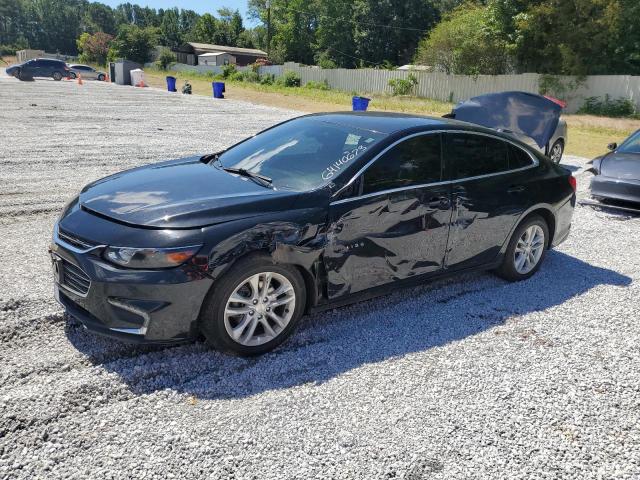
pixel 335 167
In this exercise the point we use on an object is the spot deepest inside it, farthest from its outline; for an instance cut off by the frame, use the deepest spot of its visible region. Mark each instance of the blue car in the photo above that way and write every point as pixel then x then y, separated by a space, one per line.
pixel 40 67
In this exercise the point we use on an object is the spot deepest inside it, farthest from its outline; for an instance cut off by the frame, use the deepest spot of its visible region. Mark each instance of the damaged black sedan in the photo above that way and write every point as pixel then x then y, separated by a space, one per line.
pixel 315 212
pixel 616 181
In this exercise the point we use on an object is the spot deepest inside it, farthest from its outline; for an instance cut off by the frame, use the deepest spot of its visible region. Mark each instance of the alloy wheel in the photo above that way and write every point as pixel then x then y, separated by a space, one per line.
pixel 529 249
pixel 259 309
pixel 556 152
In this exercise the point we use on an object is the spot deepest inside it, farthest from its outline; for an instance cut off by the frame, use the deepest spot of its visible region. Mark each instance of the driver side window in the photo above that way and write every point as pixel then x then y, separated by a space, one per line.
pixel 415 161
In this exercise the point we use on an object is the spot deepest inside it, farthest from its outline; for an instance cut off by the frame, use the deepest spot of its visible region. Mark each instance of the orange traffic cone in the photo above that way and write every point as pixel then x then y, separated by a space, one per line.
pixel 79 79
pixel 140 84
pixel 107 79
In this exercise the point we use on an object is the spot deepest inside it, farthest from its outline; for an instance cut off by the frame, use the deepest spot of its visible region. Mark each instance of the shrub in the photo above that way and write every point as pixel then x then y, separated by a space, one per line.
pixel 620 107
pixel 403 86
pixel 228 70
pixel 318 85
pixel 8 50
pixel 267 79
pixel 166 58
pixel 236 76
pixel 290 79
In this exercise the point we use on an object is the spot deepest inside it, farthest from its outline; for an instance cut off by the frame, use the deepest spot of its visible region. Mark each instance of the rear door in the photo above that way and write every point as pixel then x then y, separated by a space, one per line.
pixel 491 189
pixel 395 223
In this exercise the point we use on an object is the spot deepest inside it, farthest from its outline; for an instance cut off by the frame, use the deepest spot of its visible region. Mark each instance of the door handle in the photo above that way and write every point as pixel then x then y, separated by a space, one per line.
pixel 516 189
pixel 438 202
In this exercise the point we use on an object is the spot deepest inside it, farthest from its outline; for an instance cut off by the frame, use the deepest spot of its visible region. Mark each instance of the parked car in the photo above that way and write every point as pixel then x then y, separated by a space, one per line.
pixel 87 72
pixel 532 119
pixel 40 67
pixel 616 180
pixel 318 211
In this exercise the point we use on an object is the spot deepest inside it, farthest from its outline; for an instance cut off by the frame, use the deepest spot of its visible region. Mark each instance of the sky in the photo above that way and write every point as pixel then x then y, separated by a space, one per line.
pixel 200 6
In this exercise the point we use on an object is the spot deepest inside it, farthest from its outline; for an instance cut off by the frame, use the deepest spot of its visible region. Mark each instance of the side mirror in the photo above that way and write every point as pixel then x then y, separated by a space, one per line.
pixel 612 146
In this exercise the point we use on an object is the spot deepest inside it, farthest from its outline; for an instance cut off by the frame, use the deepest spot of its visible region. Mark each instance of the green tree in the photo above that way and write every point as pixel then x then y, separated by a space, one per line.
pixel 205 30
pixel 464 43
pixel 134 43
pixel 94 48
pixel 170 29
pixel 334 35
pixel 98 17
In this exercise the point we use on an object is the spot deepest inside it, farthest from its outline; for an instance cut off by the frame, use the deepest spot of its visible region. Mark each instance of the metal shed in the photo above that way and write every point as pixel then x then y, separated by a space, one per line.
pixel 120 71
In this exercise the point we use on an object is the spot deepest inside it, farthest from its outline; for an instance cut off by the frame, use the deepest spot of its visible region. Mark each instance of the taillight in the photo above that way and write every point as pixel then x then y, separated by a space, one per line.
pixel 573 182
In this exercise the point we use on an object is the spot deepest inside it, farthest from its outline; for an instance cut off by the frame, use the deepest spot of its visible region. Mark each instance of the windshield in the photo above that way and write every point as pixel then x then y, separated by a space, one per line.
pixel 631 144
pixel 302 154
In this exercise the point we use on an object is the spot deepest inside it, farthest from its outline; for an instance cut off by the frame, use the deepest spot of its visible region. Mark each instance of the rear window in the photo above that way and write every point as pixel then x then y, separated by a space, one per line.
pixel 518 158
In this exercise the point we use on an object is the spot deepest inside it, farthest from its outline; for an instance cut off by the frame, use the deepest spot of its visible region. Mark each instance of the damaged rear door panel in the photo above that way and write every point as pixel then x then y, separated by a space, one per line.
pixel 395 224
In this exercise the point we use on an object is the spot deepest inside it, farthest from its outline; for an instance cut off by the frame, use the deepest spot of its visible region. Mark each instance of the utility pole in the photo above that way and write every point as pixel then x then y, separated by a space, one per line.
pixel 268 5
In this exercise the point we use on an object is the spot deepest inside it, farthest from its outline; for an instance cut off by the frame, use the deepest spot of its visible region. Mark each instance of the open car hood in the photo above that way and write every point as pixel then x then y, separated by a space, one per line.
pixel 524 113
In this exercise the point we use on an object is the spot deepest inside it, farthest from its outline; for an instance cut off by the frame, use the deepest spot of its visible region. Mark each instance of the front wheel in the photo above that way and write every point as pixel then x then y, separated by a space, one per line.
pixel 556 151
pixel 253 308
pixel 526 251
pixel 101 78
pixel 72 75
pixel 57 76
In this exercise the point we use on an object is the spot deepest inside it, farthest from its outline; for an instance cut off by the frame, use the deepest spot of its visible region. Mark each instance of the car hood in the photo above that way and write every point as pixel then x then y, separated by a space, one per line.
pixel 183 193
pixel 625 166
pixel 522 113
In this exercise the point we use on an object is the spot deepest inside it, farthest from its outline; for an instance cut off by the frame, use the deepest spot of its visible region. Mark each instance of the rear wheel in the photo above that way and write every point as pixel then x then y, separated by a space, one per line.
pixel 526 251
pixel 253 308
pixel 101 77
pixel 556 151
pixel 72 75
pixel 57 76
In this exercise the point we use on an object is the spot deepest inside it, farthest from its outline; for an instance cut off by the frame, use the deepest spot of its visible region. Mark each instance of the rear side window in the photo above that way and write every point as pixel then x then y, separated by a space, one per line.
pixel 475 155
pixel 518 158
pixel 415 161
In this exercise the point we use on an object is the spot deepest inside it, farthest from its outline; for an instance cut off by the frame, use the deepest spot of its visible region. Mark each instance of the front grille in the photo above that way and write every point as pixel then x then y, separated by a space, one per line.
pixel 73 278
pixel 73 240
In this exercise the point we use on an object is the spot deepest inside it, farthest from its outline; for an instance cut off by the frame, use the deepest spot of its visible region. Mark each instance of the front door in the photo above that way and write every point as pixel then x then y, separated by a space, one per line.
pixel 490 191
pixel 395 225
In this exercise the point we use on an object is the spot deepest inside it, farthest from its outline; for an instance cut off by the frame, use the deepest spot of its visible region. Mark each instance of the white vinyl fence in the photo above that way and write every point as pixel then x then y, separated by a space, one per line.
pixel 440 86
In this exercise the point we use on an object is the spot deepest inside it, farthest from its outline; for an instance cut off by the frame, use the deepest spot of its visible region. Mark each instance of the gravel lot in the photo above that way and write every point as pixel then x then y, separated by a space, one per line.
pixel 465 378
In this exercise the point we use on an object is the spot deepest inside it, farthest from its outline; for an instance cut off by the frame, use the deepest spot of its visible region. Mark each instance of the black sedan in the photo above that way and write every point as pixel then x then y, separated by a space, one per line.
pixel 40 67
pixel 616 180
pixel 315 212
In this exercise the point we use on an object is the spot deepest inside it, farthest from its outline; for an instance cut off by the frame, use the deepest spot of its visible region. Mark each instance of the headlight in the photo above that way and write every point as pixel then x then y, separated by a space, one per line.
pixel 144 258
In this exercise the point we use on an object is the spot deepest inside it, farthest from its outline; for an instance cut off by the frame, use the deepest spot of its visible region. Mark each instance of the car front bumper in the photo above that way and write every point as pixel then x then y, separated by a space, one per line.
pixel 142 306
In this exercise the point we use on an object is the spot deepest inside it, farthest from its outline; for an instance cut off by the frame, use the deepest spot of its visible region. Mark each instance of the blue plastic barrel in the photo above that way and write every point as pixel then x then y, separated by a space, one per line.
pixel 218 89
pixel 171 84
pixel 360 104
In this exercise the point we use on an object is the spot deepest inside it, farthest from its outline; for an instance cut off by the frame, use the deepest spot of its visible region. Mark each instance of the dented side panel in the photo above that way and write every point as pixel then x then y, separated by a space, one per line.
pixel 376 240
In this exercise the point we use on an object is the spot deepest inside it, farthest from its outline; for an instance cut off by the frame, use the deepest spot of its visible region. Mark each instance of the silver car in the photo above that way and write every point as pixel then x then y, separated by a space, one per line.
pixel 557 141
pixel 87 72
pixel 532 119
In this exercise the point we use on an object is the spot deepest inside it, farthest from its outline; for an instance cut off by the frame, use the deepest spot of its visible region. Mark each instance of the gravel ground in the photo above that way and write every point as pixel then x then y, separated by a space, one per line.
pixel 465 378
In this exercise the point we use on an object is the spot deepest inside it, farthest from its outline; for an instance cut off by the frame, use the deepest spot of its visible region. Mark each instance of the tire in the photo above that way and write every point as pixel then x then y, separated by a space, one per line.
pixel 57 76
pixel 518 265
pixel 556 151
pixel 101 78
pixel 254 327
pixel 72 75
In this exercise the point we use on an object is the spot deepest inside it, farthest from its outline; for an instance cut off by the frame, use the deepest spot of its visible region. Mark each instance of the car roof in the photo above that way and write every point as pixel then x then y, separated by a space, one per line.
pixel 49 59
pixel 391 122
